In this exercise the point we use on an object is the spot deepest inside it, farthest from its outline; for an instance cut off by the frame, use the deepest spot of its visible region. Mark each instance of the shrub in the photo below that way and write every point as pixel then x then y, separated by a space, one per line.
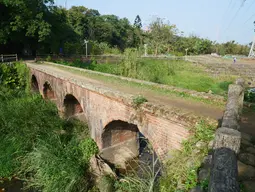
pixel 129 63
pixel 249 95
pixel 14 76
pixel 48 58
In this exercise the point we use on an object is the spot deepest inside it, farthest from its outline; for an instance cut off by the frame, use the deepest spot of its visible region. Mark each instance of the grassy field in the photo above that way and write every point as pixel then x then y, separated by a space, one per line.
pixel 175 73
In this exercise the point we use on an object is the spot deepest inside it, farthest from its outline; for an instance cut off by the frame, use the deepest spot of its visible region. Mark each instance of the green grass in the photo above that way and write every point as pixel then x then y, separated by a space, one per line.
pixel 36 145
pixel 157 90
pixel 173 72
pixel 181 170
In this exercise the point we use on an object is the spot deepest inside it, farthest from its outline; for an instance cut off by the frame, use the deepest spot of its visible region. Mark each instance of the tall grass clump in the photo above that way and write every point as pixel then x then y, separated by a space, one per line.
pixel 36 145
pixel 129 64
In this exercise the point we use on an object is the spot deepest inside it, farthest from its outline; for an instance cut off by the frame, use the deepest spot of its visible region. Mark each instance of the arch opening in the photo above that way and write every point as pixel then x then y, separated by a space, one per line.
pixel 48 92
pixel 124 145
pixel 117 132
pixel 34 84
pixel 72 106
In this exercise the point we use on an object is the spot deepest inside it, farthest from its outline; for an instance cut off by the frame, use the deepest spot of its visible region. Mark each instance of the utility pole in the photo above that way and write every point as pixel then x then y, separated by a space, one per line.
pixel 252 53
pixel 86 43
pixel 145 49
pixel 186 53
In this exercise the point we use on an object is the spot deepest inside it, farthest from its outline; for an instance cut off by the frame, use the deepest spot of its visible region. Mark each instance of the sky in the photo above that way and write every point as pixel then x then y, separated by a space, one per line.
pixel 218 20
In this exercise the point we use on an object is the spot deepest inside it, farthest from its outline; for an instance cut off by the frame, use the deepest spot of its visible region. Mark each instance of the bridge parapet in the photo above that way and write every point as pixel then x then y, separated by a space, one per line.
pixel 224 171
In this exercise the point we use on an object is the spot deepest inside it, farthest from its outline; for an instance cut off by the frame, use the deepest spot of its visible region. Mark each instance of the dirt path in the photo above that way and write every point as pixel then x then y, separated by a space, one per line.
pixel 152 96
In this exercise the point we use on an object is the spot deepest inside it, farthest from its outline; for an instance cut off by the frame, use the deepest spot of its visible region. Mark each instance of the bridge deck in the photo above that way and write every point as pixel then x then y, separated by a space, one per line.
pixel 198 108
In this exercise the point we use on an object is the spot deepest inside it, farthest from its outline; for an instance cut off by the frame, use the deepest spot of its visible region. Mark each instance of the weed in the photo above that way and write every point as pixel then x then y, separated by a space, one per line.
pixel 137 101
pixel 249 96
pixel 205 184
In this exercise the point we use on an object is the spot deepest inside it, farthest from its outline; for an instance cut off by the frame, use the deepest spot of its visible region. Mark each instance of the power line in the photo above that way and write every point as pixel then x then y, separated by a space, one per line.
pixel 236 14
pixel 249 18
pixel 250 6
pixel 223 16
pixel 252 15
pixel 233 18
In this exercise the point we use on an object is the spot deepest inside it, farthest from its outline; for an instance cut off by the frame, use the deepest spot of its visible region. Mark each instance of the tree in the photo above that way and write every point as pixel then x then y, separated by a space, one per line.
pixel 138 22
pixel 160 35
pixel 25 22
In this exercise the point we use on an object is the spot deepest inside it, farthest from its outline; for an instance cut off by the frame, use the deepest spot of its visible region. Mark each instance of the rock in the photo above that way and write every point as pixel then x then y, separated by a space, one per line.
pixel 246 136
pixel 247 158
pixel 210 144
pixel 196 151
pixel 106 184
pixel 207 162
pixel 197 189
pixel 203 174
pixel 200 144
pixel 227 138
pixel 249 186
pixel 99 168
pixel 190 162
pixel 246 142
pixel 245 171
pixel 251 150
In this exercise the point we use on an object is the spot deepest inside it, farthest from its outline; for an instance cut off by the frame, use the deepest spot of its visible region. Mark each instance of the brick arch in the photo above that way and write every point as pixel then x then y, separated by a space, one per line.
pixel 72 106
pixel 34 84
pixel 48 92
pixel 118 131
pixel 120 142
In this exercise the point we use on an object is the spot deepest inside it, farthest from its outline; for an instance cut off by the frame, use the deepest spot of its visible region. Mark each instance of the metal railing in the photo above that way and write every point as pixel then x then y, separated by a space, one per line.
pixel 8 58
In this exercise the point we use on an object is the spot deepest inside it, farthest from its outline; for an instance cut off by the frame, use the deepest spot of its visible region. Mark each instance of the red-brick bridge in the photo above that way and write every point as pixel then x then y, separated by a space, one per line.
pixel 113 120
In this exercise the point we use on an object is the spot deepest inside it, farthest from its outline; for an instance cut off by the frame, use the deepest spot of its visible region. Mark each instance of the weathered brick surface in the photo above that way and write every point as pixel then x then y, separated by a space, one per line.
pixel 165 128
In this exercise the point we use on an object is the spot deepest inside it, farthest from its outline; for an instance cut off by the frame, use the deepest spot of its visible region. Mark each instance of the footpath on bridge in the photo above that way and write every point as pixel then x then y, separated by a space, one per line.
pixel 198 108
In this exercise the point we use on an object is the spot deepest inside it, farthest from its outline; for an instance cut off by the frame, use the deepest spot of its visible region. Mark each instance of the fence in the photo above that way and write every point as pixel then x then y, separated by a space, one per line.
pixel 8 58
pixel 224 171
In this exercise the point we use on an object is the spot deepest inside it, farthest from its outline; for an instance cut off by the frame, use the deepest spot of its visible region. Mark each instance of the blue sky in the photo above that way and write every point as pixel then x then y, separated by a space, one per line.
pixel 220 20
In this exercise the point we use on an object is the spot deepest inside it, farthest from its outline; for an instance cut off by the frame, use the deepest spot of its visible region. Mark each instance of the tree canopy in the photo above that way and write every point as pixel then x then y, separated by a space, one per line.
pixel 30 26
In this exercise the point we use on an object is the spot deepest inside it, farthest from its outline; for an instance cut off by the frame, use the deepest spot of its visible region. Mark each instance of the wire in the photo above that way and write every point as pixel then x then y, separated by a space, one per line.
pixel 252 15
pixel 233 18
pixel 223 17
pixel 242 4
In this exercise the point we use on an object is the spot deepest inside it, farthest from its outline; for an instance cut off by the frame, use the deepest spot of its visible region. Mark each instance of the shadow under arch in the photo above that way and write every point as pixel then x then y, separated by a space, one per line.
pixel 34 84
pixel 72 106
pixel 48 92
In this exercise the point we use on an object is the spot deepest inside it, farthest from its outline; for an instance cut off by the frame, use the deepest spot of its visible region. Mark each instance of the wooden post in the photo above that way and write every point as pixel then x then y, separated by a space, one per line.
pixel 16 57
pixel 2 58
